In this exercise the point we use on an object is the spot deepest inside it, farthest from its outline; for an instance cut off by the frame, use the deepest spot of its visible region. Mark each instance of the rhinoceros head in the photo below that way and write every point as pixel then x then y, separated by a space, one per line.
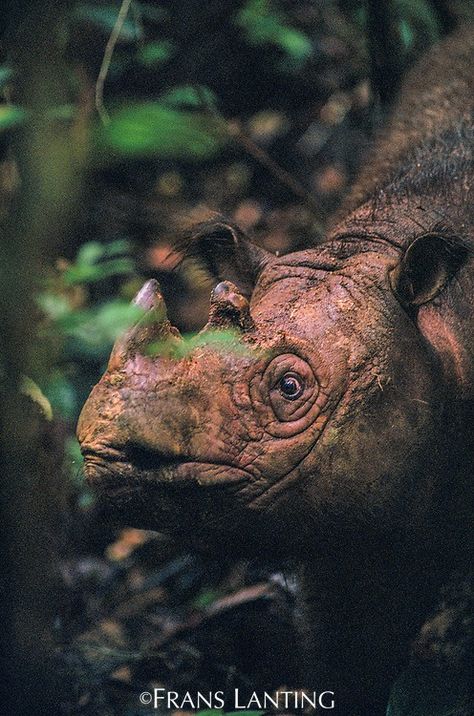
pixel 315 401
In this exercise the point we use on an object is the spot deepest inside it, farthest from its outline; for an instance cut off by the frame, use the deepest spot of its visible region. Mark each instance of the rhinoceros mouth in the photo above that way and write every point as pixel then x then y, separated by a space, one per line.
pixel 119 472
pixel 173 496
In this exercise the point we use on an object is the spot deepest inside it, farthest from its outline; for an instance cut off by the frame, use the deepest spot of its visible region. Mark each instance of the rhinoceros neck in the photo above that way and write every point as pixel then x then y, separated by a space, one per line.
pixel 436 102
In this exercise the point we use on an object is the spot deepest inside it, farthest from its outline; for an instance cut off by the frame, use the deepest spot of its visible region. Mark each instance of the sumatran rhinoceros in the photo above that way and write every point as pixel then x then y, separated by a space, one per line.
pixel 325 410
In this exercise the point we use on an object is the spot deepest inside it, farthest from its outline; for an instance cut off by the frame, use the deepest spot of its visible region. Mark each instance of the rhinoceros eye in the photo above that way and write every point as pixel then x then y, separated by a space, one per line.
pixel 291 386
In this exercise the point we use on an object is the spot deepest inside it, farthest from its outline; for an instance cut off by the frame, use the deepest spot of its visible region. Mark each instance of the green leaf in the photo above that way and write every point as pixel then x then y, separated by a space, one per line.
pixel 91 332
pixel 98 272
pixel 93 251
pixel 406 34
pixel 206 598
pixel 188 97
pixel 55 306
pixel 297 45
pixel 418 23
pixel 150 12
pixel 155 53
pixel 118 246
pixel 227 341
pixel 150 128
pixel 96 261
pixel 73 451
pixel 6 75
pixel 90 253
pixel 61 394
pixel 103 323
pixel 105 17
pixel 11 116
pixel 263 23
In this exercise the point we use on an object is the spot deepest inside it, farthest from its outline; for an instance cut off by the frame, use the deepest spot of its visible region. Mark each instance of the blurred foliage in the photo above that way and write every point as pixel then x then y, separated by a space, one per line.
pixel 77 332
pixel 148 42
pixel 417 22
pixel 154 53
pixel 104 17
pixel 227 341
pixel 95 262
pixel 11 116
pixel 263 23
pixel 152 128
pixel 6 75
pixel 82 330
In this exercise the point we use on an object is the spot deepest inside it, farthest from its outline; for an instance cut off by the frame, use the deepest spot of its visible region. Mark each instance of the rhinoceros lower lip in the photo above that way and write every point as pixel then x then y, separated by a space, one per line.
pixel 116 471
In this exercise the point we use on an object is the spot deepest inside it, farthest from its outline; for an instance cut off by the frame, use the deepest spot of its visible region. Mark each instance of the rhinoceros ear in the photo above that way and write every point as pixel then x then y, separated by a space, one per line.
pixel 226 252
pixel 427 266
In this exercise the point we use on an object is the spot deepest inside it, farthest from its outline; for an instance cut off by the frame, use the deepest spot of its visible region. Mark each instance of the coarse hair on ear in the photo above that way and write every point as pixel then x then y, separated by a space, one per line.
pixel 225 251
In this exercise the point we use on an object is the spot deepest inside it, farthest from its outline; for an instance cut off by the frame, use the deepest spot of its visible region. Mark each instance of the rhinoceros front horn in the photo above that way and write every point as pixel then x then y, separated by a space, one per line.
pixel 153 326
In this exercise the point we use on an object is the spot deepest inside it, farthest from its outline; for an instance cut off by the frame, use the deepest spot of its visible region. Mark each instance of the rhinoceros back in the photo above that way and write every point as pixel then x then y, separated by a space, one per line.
pixel 436 102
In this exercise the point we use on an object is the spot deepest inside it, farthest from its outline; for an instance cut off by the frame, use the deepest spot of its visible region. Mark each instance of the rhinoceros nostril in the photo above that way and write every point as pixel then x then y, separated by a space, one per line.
pixel 145 459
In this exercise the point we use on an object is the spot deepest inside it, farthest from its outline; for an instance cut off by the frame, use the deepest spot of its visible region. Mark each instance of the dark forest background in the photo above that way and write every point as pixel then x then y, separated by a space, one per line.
pixel 120 125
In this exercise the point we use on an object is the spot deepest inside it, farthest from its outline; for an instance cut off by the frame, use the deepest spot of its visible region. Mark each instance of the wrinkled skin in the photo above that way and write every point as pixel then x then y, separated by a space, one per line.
pixel 334 425
pixel 217 418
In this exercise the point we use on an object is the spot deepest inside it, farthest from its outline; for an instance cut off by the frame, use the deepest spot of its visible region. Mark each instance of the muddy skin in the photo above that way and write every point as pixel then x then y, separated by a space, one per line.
pixel 325 411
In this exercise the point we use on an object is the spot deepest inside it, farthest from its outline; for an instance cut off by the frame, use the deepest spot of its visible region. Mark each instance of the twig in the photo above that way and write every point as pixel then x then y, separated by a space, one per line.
pixel 236 131
pixel 138 17
pixel 108 53
pixel 245 595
